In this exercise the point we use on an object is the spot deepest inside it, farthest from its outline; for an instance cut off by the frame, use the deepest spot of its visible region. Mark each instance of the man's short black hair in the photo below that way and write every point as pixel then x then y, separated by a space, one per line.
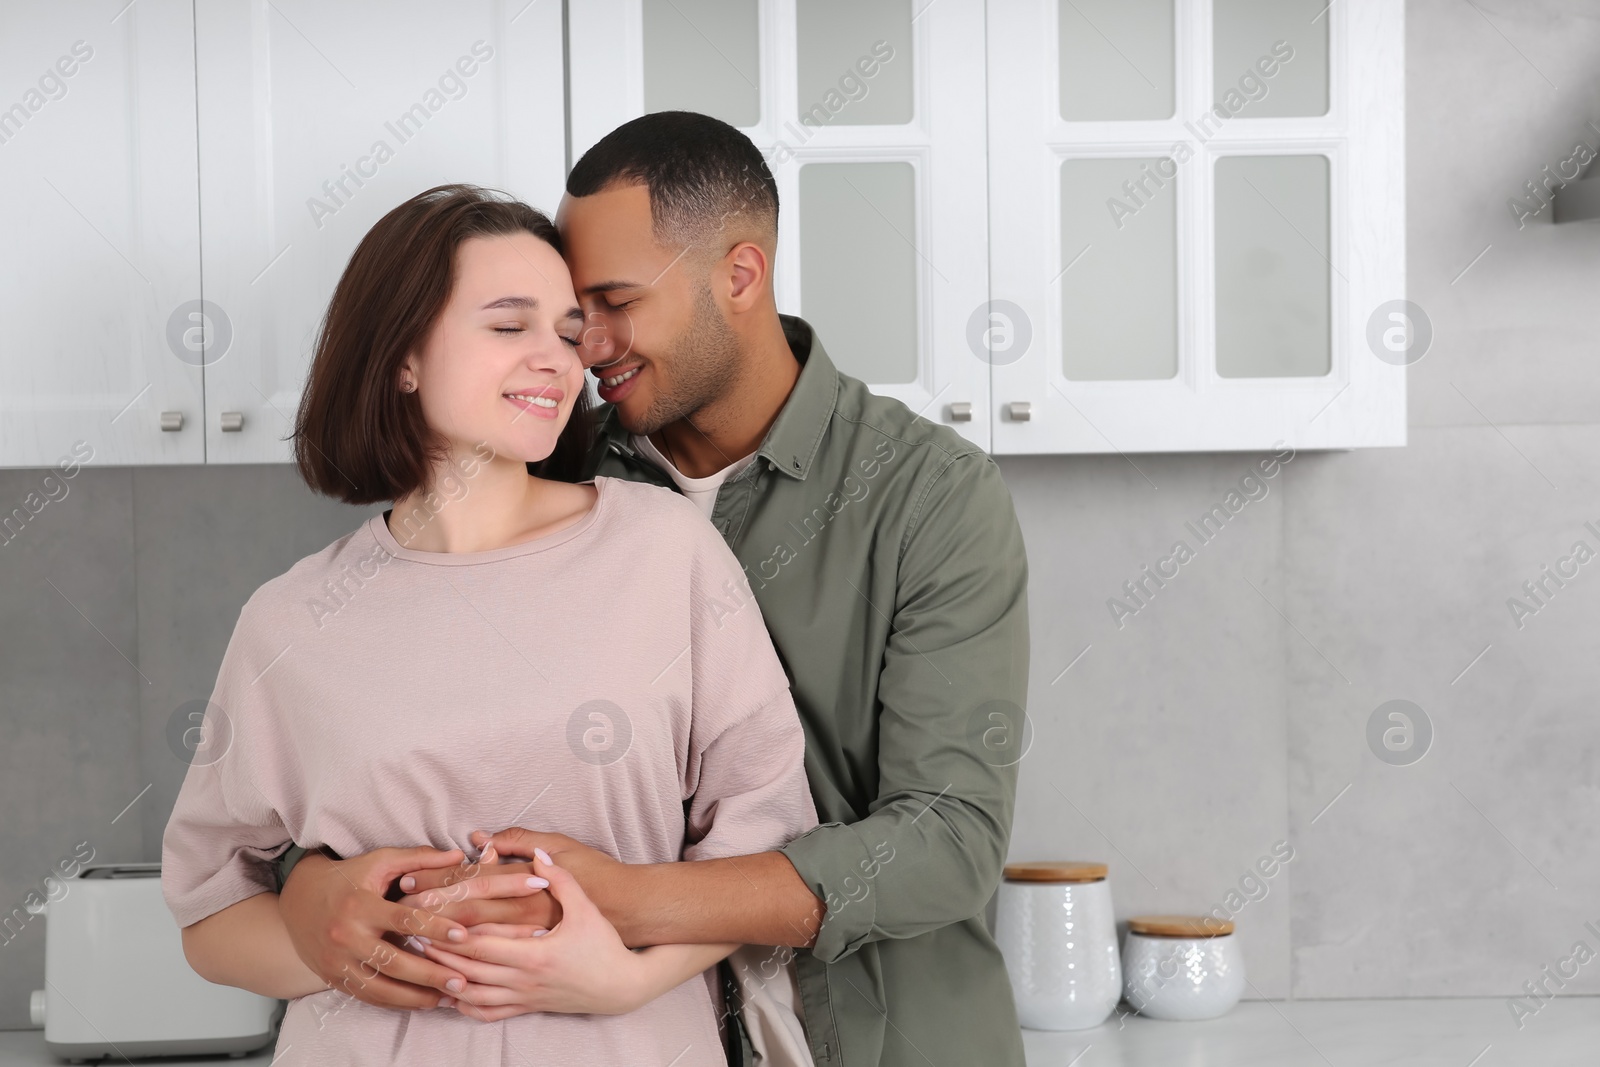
pixel 703 175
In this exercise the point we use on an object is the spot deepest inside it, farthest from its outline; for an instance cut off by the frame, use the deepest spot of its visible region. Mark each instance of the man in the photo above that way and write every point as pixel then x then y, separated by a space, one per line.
pixel 886 559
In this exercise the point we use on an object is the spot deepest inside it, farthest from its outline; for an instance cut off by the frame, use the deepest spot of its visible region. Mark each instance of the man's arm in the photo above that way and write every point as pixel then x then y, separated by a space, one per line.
pixel 932 849
pixel 953 690
pixel 753 900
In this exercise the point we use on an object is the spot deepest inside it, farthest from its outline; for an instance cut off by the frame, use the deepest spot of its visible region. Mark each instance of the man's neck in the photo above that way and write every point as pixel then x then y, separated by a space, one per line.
pixel 734 425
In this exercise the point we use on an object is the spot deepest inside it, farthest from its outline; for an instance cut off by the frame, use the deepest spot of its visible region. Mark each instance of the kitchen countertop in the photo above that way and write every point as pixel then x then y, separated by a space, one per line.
pixel 25 1048
pixel 1465 1032
pixel 1460 1032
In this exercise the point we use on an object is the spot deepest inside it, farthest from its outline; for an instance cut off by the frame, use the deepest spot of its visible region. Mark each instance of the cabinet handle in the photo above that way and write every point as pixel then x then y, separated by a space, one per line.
pixel 961 411
pixel 171 421
pixel 232 421
pixel 1019 411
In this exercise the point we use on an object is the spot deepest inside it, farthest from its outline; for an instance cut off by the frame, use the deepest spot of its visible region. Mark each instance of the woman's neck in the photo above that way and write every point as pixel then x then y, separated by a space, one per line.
pixel 496 505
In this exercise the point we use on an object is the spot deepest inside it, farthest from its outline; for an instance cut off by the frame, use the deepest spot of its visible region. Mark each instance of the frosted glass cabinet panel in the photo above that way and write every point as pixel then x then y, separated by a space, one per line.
pixel 1270 57
pixel 871 118
pixel 1273 273
pixel 1116 59
pixel 1119 282
pixel 858 266
pixel 833 38
pixel 703 55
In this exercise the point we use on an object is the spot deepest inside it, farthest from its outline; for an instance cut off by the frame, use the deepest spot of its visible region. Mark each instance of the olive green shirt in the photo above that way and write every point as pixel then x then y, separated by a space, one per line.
pixel 885 556
pixel 886 559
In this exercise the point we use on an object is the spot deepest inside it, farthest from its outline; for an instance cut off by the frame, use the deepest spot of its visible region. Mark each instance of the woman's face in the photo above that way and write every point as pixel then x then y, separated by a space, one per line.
pixel 500 365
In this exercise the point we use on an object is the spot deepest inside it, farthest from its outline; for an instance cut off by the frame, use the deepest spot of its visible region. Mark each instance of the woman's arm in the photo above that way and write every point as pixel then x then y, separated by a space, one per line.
pixel 669 966
pixel 246 945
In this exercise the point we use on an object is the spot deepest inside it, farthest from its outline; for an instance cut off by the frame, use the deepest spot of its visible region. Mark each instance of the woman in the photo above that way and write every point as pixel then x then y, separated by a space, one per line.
pixel 497 642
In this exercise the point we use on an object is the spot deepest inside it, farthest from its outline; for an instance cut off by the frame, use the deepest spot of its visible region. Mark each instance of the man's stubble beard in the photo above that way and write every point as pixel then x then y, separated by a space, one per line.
pixel 705 364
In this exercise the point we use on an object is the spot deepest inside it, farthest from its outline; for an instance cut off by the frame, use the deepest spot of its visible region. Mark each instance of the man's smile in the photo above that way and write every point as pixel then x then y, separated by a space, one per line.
pixel 613 384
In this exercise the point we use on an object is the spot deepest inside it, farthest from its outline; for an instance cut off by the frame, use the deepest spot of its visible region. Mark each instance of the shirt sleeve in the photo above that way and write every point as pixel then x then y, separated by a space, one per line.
pixel 745 780
pixel 951 725
pixel 224 837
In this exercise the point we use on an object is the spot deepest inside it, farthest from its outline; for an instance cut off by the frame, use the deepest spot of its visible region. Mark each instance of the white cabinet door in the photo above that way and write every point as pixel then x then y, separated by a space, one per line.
pixel 1198 222
pixel 100 219
pixel 870 115
pixel 315 120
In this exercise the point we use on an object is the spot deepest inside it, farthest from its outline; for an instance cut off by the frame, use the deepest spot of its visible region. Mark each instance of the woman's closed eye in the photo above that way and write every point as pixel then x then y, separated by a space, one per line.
pixel 573 341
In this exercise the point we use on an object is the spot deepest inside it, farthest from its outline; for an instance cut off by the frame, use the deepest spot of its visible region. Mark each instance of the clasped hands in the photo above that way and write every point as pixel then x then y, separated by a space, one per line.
pixel 496 938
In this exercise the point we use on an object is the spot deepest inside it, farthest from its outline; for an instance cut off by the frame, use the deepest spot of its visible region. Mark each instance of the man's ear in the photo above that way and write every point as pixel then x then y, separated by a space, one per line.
pixel 749 271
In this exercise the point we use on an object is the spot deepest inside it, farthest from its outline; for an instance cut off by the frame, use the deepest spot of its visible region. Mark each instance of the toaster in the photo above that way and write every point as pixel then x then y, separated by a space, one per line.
pixel 116 980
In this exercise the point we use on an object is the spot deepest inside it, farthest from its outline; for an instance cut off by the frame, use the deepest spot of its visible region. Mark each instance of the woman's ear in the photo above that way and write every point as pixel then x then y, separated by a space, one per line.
pixel 406 380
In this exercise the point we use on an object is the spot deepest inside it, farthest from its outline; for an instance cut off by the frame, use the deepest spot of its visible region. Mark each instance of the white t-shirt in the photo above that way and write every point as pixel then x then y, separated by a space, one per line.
pixel 703 491
pixel 771 991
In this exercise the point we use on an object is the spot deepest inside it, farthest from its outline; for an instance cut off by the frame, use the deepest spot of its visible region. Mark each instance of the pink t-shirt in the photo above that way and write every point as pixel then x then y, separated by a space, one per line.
pixel 612 681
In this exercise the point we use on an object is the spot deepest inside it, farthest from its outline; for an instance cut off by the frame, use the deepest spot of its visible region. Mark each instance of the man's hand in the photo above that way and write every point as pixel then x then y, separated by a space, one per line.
pixel 581 966
pixel 347 933
pixel 486 893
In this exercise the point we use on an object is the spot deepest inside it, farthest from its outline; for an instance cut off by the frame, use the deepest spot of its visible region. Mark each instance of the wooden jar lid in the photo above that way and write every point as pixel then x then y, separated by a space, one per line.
pixel 1055 872
pixel 1180 926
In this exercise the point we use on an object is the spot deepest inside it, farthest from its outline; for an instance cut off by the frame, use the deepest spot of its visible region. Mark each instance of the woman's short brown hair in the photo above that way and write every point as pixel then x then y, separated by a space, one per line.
pixel 357 437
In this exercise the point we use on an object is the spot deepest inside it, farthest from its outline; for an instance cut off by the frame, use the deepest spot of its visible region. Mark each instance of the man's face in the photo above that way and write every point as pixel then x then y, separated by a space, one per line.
pixel 654 338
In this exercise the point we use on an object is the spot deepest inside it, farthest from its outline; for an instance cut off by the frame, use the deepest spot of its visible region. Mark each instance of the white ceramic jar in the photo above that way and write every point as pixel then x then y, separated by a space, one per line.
pixel 1054 924
pixel 1182 967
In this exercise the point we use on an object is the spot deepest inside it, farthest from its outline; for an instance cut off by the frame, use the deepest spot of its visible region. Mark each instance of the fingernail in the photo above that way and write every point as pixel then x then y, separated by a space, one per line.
pixel 454 985
pixel 447 1002
pixel 540 933
pixel 538 883
pixel 544 857
pixel 408 883
pixel 457 934
pixel 424 940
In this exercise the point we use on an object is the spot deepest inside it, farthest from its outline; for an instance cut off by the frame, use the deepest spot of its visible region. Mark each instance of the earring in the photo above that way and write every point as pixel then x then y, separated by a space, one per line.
pixel 408 386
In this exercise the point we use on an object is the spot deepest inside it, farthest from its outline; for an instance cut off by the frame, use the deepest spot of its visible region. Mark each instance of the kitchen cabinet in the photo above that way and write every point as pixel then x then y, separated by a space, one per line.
pixel 870 116
pixel 1055 225
pixel 316 119
pixel 99 351
pixel 1197 219
pixel 185 184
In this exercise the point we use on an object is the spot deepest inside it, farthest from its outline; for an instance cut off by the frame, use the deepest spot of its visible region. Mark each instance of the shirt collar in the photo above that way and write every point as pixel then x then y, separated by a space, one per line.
pixel 796 435
pixel 792 443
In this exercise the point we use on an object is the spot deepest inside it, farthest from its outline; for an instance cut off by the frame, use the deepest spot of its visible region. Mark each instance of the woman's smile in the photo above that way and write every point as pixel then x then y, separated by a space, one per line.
pixel 542 403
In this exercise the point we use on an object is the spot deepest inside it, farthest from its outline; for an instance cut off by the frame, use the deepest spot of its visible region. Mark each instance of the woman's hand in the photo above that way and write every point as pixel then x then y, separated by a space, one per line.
pixel 580 966
pixel 485 892
pixel 344 930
